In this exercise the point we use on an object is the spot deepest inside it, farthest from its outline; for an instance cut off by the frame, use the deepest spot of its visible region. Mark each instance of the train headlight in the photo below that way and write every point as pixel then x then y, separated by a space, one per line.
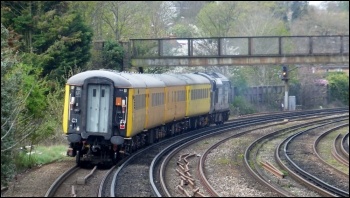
pixel 122 124
pixel 72 102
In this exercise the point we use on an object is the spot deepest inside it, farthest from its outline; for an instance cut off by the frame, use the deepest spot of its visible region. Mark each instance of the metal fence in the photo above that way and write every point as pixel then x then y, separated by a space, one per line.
pixel 240 46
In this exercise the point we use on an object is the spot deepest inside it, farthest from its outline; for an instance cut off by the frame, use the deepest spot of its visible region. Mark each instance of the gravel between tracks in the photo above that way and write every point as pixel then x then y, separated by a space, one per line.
pixel 231 176
pixel 36 181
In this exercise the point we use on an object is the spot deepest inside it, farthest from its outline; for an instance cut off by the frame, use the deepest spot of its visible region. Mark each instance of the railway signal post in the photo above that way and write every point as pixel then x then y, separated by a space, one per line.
pixel 285 79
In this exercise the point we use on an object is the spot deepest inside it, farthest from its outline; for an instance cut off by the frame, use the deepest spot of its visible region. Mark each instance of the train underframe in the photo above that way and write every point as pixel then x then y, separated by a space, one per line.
pixel 97 151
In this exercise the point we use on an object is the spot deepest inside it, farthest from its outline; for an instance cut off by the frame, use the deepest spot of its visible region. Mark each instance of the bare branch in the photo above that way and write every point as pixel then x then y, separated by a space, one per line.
pixel 19 110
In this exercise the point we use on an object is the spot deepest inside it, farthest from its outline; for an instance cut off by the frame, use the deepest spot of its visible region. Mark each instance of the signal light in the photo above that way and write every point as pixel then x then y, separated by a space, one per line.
pixel 284 73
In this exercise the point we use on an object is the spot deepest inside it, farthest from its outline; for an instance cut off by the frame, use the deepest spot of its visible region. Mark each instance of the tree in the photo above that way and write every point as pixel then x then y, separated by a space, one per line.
pixel 112 55
pixel 92 14
pixel 337 6
pixel 338 87
pixel 9 109
pixel 255 21
pixel 160 16
pixel 188 10
pixel 123 19
pixel 322 22
pixel 217 19
pixel 54 37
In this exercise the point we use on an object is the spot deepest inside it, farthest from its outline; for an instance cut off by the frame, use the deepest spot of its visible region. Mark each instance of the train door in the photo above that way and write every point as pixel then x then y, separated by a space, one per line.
pixel 97 108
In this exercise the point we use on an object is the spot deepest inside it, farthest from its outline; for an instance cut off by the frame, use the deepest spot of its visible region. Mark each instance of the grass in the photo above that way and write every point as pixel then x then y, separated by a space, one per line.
pixel 40 155
pixel 224 161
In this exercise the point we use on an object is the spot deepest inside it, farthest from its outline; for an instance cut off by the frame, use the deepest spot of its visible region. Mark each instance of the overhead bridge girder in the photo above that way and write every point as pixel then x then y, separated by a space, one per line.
pixel 238 61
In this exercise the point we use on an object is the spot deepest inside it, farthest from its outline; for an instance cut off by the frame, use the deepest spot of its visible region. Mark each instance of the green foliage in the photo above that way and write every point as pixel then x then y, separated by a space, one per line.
pixel 241 107
pixel 32 123
pixel 52 129
pixel 9 89
pixel 34 86
pixel 218 18
pixel 344 5
pixel 112 55
pixel 239 80
pixel 183 31
pixel 298 8
pixel 338 83
pixel 53 36
pixel 23 107
pixel 67 41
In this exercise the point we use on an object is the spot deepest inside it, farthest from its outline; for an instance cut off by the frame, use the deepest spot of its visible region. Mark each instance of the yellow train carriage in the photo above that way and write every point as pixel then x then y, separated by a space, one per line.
pixel 107 112
pixel 198 95
pixel 155 107
pixel 198 101
pixel 146 109
pixel 137 111
pixel 175 97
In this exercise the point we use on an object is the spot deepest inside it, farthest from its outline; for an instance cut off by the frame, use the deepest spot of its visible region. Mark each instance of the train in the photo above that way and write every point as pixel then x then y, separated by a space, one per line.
pixel 109 114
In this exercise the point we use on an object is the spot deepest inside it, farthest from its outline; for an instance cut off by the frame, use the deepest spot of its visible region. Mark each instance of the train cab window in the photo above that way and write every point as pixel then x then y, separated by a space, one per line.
pixel 103 93
pixel 94 93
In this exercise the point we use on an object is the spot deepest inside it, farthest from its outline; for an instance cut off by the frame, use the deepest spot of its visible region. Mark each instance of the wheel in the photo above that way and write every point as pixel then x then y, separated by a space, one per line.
pixel 114 158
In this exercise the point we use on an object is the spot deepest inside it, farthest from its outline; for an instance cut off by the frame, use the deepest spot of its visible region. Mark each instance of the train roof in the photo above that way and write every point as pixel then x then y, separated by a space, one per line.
pixel 78 79
pixel 123 80
pixel 214 76
pixel 135 80
pixel 192 79
pixel 149 81
pixel 218 75
pixel 169 80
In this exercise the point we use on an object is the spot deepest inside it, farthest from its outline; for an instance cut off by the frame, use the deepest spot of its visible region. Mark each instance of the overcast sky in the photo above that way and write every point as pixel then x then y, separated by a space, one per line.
pixel 316 3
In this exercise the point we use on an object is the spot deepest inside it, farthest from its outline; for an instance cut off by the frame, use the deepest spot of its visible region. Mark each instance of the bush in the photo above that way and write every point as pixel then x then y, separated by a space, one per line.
pixel 338 87
pixel 241 107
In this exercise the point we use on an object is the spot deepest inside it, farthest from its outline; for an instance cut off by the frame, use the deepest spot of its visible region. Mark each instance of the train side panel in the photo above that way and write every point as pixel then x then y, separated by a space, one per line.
pixel 136 111
pixel 66 109
pixel 198 100
pixel 175 105
pixel 155 107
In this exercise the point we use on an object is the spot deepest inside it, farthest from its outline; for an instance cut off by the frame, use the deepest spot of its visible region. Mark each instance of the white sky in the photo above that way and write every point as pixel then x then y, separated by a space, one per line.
pixel 316 3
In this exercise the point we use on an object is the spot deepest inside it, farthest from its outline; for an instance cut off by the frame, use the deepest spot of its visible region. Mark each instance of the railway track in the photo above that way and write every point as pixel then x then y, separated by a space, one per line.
pixel 78 181
pixel 141 168
pixel 306 172
pixel 264 167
